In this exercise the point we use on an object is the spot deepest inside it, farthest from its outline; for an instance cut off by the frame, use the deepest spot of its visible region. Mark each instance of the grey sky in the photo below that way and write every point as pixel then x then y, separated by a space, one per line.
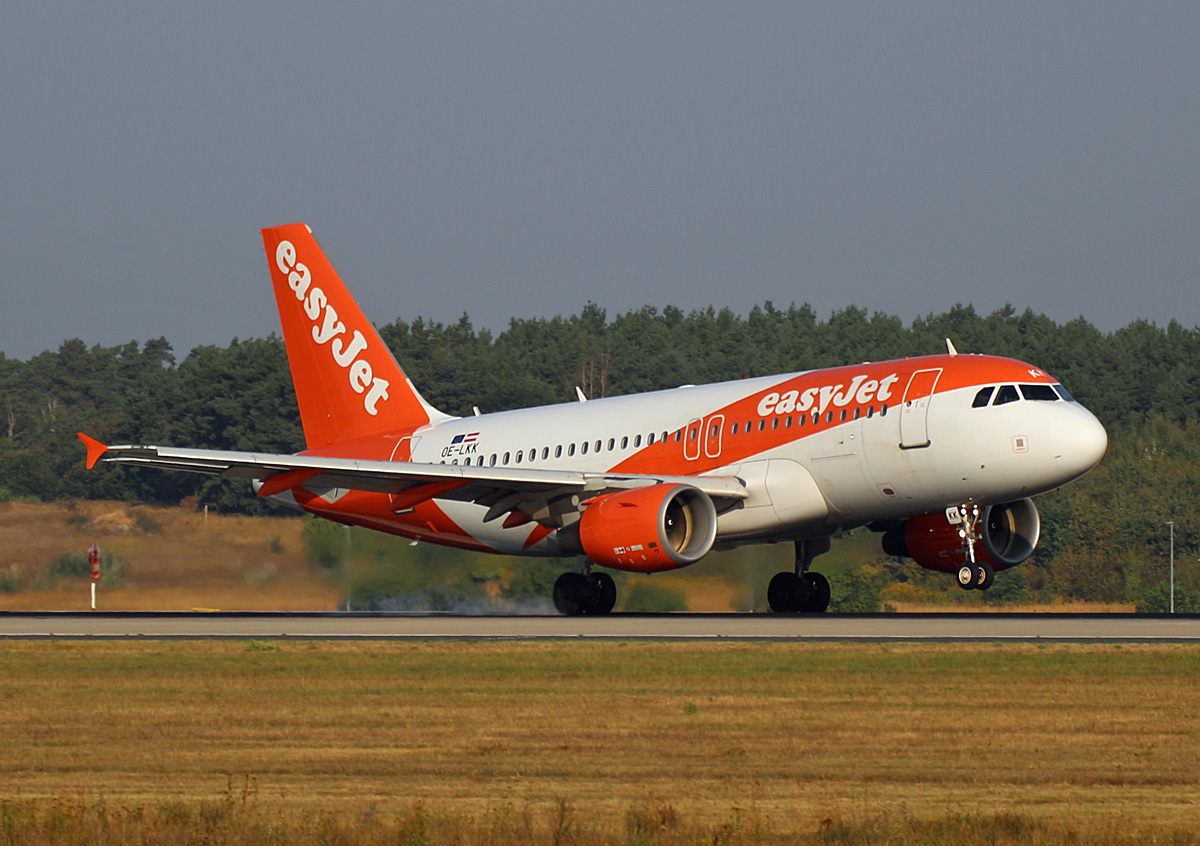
pixel 520 159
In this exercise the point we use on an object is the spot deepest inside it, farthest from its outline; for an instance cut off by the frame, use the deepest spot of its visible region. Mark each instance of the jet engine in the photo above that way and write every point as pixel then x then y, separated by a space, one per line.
pixel 644 530
pixel 1006 535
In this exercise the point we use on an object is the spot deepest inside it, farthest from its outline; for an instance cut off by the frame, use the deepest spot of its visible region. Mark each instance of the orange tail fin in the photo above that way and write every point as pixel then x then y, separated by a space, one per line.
pixel 348 385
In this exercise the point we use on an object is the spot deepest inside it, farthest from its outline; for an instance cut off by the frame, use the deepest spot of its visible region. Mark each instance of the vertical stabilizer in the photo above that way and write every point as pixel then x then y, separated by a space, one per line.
pixel 348 385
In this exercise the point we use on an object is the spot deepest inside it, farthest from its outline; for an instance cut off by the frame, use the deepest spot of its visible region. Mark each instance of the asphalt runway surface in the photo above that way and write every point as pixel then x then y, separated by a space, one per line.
pixel 941 627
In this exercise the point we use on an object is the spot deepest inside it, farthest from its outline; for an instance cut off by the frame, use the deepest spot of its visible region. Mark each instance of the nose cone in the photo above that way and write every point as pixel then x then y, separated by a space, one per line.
pixel 1079 441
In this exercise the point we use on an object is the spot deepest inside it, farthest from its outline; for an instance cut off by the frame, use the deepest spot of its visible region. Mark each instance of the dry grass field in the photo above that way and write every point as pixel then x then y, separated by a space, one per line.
pixel 174 559
pixel 585 743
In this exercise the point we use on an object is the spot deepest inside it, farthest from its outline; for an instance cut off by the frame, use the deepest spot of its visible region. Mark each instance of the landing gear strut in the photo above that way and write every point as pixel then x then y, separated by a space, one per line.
pixel 802 591
pixel 585 592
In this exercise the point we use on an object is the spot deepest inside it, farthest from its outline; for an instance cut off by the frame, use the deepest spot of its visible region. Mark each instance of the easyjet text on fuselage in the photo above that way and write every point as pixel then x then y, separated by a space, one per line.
pixel 861 391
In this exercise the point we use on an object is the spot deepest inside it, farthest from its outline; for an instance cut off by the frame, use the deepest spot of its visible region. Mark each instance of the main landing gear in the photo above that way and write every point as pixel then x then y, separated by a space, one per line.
pixel 973 574
pixel 585 592
pixel 803 591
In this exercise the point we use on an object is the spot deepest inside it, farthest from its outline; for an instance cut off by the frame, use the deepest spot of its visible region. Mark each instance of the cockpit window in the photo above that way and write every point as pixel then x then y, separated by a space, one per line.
pixel 1039 392
pixel 1062 392
pixel 981 398
pixel 1007 393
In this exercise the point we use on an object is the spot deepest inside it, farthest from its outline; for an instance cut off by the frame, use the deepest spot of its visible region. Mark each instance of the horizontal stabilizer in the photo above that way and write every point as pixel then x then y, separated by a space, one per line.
pixel 95 449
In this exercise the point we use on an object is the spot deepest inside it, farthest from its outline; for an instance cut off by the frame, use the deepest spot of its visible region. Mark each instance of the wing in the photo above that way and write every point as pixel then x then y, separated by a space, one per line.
pixel 527 494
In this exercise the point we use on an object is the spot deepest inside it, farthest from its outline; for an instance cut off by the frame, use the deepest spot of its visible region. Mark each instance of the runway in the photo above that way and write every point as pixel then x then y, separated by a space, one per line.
pixel 1080 628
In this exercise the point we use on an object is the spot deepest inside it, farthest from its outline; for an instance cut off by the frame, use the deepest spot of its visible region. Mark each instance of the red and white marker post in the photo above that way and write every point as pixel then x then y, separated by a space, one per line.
pixel 94 560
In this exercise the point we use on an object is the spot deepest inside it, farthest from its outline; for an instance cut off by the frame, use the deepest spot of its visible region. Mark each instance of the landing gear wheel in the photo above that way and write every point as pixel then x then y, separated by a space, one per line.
pixel 785 593
pixel 984 576
pixel 817 593
pixel 602 594
pixel 571 592
pixel 966 577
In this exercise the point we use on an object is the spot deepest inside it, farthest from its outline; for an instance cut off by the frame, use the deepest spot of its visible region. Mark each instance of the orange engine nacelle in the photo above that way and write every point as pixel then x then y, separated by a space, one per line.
pixel 1006 536
pixel 645 530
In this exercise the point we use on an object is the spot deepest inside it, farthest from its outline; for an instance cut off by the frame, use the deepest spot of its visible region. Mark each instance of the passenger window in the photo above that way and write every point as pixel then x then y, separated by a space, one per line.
pixel 1006 394
pixel 1039 392
pixel 762 424
pixel 733 429
pixel 774 422
pixel 842 417
pixel 649 439
pixel 981 398
pixel 857 413
pixel 829 417
pixel 546 453
pixel 803 419
pixel 597 447
pixel 492 460
pixel 558 451
pixel 612 442
pixel 870 411
pixel 519 454
pixel 480 461
pixel 713 432
pixel 787 424
pixel 637 441
pixel 679 435
pixel 570 450
pixel 624 441
pixel 583 449
pixel 883 410
pixel 505 459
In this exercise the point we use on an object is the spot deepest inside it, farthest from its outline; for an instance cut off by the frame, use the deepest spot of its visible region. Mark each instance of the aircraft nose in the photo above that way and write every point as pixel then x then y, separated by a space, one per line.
pixel 1079 441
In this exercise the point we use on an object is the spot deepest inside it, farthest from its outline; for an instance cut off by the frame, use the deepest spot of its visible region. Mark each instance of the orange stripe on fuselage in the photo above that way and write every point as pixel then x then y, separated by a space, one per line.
pixel 824 390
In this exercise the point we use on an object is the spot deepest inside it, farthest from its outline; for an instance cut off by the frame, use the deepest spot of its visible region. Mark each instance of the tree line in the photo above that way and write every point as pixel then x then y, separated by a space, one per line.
pixel 1104 537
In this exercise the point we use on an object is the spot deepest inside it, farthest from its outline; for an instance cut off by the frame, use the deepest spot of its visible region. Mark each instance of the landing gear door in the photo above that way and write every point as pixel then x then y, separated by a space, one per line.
pixel 914 410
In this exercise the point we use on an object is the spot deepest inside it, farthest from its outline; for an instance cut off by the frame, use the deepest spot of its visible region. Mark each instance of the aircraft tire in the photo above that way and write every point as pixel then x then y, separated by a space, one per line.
pixel 785 593
pixel 571 593
pixel 602 594
pixel 966 577
pixel 816 593
pixel 984 576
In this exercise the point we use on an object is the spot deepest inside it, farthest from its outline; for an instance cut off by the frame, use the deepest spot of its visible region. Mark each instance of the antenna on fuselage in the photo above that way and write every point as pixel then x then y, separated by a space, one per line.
pixel 950 348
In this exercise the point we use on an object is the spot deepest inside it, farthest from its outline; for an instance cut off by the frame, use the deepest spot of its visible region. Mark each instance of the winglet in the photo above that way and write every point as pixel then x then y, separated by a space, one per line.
pixel 95 449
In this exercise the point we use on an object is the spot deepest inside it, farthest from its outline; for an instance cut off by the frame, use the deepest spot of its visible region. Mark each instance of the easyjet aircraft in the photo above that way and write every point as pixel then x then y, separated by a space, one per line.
pixel 940 454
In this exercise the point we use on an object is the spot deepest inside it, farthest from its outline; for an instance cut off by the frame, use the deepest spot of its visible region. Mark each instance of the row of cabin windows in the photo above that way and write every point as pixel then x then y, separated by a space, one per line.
pixel 801 420
pixel 1009 393
pixel 584 448
pixel 798 420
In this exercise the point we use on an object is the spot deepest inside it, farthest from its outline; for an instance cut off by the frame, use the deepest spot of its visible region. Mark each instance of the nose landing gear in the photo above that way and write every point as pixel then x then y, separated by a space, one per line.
pixel 973 574
pixel 977 576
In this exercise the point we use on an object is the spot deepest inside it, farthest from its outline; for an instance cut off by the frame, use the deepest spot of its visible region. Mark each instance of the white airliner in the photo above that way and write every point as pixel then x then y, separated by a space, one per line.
pixel 940 453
